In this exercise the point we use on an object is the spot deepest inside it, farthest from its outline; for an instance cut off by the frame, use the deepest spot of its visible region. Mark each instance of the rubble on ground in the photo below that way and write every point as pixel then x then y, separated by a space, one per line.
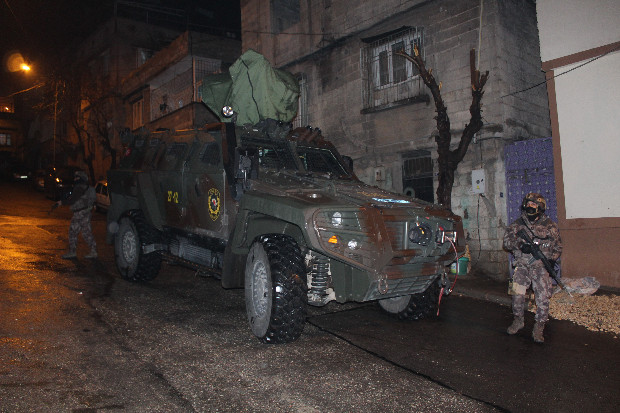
pixel 595 312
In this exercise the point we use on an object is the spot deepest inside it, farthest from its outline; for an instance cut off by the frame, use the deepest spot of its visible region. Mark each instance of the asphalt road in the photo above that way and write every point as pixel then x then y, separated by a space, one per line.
pixel 75 337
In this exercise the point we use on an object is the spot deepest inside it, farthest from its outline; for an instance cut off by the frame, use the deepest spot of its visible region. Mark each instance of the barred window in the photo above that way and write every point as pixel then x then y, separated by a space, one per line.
pixel 5 139
pixel 418 175
pixel 390 79
pixel 178 86
pixel 284 14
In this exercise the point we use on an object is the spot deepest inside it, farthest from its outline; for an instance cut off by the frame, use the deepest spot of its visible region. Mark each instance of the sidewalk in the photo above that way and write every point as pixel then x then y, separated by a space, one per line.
pixel 484 288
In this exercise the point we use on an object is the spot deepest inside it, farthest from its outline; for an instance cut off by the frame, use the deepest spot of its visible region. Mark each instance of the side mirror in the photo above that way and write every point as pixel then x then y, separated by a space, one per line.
pixel 348 163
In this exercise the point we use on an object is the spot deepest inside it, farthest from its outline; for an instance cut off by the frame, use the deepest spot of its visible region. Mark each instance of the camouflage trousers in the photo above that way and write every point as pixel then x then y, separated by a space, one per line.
pixel 80 223
pixel 540 281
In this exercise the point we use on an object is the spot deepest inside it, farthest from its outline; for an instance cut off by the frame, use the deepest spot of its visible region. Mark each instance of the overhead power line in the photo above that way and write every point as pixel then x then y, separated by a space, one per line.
pixel 560 74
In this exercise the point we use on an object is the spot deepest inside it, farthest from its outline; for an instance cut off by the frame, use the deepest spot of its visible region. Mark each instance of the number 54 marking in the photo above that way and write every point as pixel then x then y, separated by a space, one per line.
pixel 173 197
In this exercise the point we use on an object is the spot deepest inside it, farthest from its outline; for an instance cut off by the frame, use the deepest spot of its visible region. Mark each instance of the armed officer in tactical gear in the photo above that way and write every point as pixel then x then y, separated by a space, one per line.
pixel 81 202
pixel 528 270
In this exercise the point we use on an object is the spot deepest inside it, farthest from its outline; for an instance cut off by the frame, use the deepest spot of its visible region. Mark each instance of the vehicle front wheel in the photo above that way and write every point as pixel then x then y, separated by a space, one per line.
pixel 275 289
pixel 132 263
pixel 414 306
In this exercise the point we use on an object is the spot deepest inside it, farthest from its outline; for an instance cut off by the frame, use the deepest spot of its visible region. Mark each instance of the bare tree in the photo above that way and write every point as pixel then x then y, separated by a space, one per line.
pixel 449 159
pixel 88 109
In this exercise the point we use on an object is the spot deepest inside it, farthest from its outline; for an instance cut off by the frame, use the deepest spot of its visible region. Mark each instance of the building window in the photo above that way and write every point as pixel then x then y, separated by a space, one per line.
pixel 418 175
pixel 142 55
pixel 137 118
pixel 284 14
pixel 390 79
pixel 177 87
pixel 5 139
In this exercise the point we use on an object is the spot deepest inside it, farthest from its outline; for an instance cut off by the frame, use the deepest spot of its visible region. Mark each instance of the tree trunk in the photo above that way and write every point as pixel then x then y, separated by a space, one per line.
pixel 448 160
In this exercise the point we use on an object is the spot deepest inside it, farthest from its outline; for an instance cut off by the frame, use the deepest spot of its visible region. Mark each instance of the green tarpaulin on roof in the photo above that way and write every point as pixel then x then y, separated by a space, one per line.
pixel 255 90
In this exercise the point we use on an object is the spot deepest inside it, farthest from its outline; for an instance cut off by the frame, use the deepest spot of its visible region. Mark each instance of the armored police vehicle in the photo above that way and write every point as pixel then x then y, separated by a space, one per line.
pixel 279 212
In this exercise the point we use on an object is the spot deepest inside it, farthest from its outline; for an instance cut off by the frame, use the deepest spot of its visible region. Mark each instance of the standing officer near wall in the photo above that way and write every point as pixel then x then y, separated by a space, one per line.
pixel 528 270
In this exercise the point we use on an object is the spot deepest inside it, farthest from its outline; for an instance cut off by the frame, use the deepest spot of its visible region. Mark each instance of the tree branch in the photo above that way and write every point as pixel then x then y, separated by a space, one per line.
pixel 448 160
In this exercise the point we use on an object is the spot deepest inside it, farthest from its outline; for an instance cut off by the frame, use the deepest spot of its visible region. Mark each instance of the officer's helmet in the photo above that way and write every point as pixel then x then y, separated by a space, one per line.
pixel 538 200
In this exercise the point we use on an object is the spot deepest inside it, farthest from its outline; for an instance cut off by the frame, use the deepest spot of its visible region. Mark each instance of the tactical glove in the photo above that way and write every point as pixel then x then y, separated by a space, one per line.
pixel 526 248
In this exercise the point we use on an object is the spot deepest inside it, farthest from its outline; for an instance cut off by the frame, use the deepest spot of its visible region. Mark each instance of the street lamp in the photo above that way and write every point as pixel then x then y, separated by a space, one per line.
pixel 15 62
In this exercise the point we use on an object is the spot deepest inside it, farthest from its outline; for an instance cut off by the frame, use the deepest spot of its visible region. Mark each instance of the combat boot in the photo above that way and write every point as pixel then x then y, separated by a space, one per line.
pixel 69 255
pixel 537 332
pixel 517 324
pixel 91 255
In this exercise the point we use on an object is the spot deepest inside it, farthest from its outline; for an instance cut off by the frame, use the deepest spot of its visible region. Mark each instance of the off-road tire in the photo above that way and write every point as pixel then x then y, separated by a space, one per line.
pixel 276 296
pixel 414 306
pixel 132 263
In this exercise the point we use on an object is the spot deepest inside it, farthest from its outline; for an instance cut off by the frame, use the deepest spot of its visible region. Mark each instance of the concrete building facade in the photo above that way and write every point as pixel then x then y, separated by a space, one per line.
pixel 164 92
pixel 103 60
pixel 373 105
pixel 130 75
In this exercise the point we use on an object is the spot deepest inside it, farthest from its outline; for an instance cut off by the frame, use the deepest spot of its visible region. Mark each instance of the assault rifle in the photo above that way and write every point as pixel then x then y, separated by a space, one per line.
pixel 538 255
pixel 54 206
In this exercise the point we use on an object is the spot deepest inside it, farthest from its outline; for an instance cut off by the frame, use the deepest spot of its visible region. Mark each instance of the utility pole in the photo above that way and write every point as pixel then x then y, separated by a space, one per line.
pixel 55 120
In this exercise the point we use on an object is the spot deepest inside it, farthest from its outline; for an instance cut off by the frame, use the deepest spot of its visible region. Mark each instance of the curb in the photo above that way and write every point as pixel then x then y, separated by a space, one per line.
pixel 483 295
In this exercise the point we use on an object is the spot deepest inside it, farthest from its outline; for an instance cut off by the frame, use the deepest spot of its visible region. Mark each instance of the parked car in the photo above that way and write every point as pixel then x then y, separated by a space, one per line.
pixel 20 173
pixel 103 198
pixel 59 182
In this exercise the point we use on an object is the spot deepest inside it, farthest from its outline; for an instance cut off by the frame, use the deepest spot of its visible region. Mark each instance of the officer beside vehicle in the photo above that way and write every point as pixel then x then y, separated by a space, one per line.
pixel 81 202
pixel 528 270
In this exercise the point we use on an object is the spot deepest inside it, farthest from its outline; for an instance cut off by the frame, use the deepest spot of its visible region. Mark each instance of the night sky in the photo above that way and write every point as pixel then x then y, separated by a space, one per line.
pixel 43 30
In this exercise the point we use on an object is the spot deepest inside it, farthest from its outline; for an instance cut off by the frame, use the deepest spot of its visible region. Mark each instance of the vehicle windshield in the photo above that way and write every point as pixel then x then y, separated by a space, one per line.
pixel 279 155
pixel 320 160
pixel 275 156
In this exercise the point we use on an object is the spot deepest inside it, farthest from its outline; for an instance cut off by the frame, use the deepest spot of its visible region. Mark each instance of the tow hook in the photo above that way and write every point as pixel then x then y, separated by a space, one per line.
pixel 444 291
pixel 445 280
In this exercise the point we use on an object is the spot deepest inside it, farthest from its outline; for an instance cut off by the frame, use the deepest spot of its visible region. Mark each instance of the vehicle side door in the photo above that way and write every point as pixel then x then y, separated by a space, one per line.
pixel 171 168
pixel 205 186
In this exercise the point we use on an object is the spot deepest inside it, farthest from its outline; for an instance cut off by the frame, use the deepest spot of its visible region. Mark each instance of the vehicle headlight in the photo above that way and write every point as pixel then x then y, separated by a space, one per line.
pixel 420 234
pixel 344 232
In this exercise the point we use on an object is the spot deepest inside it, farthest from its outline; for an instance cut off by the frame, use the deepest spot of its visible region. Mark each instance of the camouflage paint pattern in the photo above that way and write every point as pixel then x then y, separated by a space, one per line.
pixel 80 223
pixel 528 271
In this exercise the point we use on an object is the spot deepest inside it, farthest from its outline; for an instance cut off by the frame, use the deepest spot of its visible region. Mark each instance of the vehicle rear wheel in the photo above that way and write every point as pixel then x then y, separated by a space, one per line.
pixel 414 306
pixel 275 289
pixel 132 263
